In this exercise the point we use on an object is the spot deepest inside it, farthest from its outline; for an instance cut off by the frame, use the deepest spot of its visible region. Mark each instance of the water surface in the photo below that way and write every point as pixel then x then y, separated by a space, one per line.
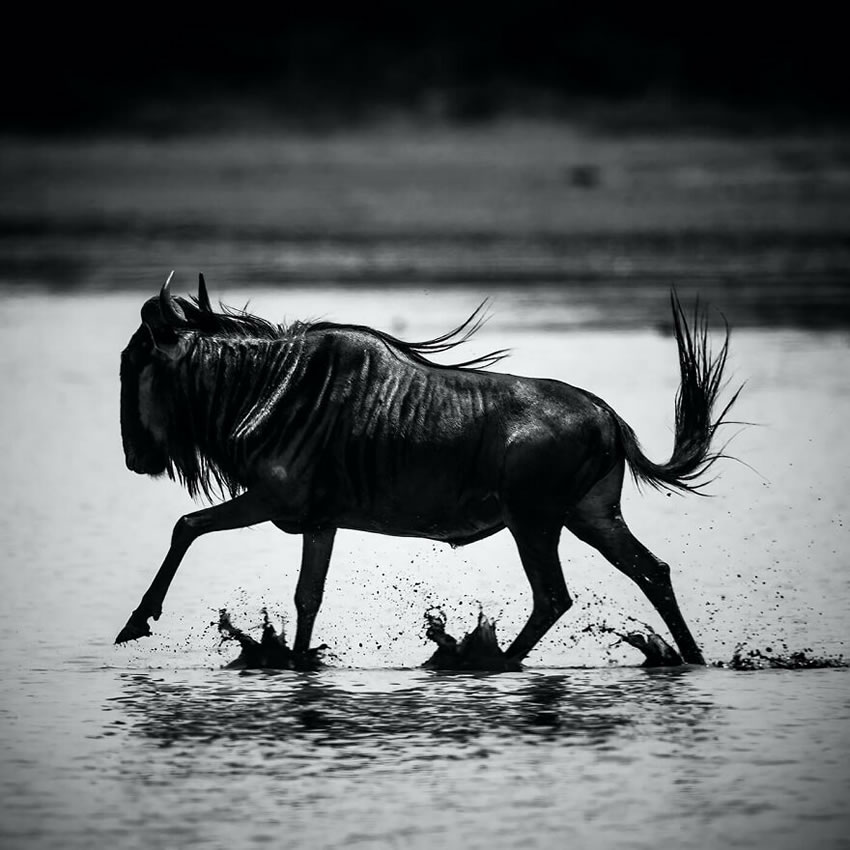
pixel 393 758
pixel 153 745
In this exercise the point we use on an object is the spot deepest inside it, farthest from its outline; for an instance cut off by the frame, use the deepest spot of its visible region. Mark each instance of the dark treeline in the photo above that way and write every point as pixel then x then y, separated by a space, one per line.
pixel 465 61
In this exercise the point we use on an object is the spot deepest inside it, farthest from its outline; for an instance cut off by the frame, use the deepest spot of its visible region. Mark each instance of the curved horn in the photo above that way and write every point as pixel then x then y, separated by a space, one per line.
pixel 203 295
pixel 169 308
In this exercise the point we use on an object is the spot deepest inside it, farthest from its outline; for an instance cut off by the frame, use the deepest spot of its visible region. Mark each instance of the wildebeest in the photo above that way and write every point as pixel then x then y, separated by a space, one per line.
pixel 320 426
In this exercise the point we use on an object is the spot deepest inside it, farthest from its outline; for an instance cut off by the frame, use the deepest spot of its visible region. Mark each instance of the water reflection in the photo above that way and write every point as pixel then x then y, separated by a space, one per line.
pixel 409 710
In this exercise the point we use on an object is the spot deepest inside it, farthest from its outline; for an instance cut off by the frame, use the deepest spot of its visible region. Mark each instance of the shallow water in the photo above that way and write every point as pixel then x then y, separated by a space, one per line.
pixel 152 744
pixel 398 758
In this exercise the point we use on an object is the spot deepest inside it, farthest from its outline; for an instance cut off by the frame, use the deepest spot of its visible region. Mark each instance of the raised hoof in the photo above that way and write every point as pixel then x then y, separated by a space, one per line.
pixel 134 630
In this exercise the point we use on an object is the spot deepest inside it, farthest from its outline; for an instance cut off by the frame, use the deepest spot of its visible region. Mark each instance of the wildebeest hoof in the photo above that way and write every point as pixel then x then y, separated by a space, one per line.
pixel 309 660
pixel 134 630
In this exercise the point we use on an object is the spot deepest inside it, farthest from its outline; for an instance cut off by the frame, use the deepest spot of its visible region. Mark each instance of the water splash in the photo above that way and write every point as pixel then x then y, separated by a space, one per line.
pixel 271 652
pixel 756 659
pixel 656 651
pixel 477 650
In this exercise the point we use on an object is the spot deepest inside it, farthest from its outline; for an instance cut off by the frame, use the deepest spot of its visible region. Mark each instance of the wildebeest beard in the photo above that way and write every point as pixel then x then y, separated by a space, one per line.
pixel 141 450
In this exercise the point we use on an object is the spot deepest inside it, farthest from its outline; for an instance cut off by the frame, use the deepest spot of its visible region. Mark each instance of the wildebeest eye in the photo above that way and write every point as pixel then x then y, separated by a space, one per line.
pixel 139 347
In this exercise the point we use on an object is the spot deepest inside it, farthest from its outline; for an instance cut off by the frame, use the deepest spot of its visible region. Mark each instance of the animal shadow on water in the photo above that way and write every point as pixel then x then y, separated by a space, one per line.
pixel 314 711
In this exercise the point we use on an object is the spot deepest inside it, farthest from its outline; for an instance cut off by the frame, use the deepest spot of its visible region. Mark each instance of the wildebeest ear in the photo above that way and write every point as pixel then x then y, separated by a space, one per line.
pixel 203 295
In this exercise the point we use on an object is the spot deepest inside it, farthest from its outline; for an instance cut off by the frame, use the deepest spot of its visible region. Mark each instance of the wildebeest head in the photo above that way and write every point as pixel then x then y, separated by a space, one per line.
pixel 167 324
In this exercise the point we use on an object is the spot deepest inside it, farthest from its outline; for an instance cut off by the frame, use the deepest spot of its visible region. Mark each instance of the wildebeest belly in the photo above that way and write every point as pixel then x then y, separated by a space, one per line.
pixel 441 491
pixel 453 522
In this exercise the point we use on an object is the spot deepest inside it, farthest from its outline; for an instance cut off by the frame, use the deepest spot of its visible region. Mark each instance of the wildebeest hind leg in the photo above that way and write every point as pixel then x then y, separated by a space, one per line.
pixel 597 520
pixel 250 508
pixel 538 550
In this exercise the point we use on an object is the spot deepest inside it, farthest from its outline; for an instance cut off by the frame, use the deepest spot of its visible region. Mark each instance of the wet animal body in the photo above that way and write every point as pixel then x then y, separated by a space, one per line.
pixel 321 426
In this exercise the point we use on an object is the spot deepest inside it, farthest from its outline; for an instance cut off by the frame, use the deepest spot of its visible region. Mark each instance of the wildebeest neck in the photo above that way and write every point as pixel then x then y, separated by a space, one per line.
pixel 226 401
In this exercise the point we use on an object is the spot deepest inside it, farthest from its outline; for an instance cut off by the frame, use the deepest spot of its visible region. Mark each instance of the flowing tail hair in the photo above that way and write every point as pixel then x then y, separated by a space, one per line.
pixel 700 385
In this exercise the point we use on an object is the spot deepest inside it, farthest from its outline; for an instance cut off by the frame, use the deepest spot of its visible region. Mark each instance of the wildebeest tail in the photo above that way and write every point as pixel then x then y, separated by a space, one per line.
pixel 700 385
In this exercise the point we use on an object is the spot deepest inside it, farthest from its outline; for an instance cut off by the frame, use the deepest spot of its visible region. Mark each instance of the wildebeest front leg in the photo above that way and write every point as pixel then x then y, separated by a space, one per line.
pixel 250 508
pixel 315 558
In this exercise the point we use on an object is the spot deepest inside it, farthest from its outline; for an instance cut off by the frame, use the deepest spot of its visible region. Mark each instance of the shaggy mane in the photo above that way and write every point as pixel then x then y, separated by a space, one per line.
pixel 233 322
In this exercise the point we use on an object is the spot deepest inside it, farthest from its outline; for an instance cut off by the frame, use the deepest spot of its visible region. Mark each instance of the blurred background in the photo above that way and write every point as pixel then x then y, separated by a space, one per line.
pixel 503 146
